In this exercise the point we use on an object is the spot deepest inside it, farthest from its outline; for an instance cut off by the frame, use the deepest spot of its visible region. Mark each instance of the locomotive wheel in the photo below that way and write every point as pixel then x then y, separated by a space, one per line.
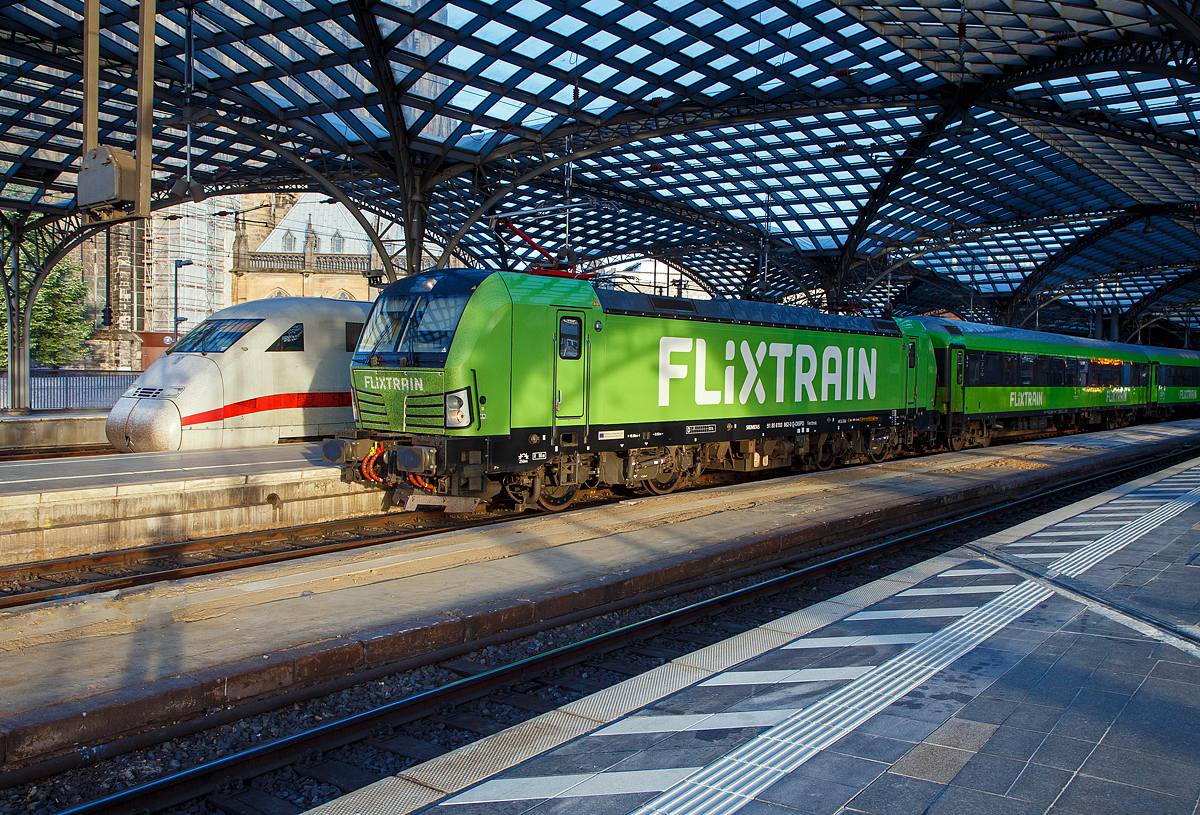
pixel 956 443
pixel 878 450
pixel 662 486
pixel 827 457
pixel 557 499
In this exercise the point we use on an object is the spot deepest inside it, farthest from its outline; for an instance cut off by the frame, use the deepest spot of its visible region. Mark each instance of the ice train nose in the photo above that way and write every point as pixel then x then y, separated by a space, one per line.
pixel 144 425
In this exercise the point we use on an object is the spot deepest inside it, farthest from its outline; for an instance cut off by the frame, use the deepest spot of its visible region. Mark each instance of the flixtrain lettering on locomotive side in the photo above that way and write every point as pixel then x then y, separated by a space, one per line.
pixel 468 383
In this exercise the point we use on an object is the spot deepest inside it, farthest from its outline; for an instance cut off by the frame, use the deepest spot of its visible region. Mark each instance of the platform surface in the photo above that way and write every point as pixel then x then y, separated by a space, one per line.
pixel 122 469
pixel 1054 667
pixel 202 643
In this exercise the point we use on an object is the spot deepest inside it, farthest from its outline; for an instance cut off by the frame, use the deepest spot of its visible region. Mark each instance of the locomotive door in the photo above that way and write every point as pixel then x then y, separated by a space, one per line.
pixel 956 397
pixel 570 368
pixel 911 381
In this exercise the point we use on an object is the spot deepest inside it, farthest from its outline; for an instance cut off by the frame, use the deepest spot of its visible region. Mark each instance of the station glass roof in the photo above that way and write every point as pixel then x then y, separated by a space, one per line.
pixel 1004 160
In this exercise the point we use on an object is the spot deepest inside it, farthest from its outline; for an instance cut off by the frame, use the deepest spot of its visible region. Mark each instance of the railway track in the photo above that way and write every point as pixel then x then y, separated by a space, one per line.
pixel 485 699
pixel 64 451
pixel 24 584
pixel 27 583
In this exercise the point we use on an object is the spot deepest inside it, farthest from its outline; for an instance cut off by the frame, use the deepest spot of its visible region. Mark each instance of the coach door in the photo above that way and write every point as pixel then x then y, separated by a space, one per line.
pixel 1155 373
pixel 956 396
pixel 570 369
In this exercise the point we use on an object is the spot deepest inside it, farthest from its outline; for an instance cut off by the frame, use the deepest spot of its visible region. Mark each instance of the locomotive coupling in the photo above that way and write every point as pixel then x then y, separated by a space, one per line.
pixel 346 451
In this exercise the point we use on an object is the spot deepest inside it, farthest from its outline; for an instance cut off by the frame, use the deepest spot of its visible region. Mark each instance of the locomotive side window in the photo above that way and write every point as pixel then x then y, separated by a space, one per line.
pixel 570 338
pixel 353 332
pixel 290 340
pixel 213 336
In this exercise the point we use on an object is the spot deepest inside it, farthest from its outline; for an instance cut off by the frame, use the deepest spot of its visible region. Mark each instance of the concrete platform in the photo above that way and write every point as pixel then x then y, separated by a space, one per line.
pixel 53 428
pixel 127 660
pixel 56 508
pixel 1053 668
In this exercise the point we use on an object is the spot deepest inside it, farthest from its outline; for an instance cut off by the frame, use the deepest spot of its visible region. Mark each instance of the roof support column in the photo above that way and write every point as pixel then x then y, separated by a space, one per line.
pixel 916 149
pixel 18 335
pixel 412 193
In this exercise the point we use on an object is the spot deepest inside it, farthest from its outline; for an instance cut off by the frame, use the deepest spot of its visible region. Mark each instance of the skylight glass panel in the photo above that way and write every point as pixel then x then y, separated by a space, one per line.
pixel 532 48
pixel 636 22
pixel 462 58
pixel 733 32
pixel 663 66
pixel 633 54
pixel 420 43
pixel 494 33
pixel 567 26
pixel 601 40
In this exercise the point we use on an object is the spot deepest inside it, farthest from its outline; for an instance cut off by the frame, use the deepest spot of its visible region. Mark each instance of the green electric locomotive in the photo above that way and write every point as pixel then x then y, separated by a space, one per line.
pixel 468 382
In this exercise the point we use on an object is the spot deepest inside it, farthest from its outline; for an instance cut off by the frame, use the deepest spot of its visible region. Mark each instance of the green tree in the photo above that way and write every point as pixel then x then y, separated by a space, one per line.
pixel 59 325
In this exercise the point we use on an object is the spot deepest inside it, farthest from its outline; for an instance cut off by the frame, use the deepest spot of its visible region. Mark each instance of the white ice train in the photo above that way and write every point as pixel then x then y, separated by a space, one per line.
pixel 250 374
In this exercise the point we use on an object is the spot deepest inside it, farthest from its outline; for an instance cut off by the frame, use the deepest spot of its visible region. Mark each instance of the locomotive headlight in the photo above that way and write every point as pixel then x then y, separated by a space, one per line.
pixel 458 409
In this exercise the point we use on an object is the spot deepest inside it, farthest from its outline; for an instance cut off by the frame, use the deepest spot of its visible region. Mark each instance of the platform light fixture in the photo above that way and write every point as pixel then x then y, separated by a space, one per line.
pixel 178 263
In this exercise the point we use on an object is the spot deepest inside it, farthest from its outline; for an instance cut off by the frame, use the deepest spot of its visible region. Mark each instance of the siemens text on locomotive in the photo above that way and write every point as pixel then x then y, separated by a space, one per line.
pixel 249 374
pixel 469 382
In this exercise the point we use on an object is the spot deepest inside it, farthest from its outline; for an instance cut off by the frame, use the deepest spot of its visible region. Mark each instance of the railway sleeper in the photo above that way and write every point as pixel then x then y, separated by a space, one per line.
pixel 253 801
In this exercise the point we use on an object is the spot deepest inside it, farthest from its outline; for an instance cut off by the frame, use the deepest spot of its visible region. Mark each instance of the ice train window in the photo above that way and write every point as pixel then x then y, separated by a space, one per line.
pixel 213 336
pixel 290 340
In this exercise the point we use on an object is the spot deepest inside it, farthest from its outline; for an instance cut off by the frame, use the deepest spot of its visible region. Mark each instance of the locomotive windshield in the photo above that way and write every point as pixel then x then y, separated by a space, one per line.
pixel 213 336
pixel 411 329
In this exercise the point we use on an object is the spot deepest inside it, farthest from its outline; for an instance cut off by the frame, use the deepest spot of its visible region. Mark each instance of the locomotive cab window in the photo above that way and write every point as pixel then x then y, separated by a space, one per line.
pixel 411 329
pixel 353 332
pixel 570 338
pixel 290 340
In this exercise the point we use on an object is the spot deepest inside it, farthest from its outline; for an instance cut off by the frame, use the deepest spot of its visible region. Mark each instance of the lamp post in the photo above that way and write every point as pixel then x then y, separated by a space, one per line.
pixel 178 263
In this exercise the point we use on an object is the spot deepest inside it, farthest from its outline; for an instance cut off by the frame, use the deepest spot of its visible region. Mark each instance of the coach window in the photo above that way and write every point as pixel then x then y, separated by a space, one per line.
pixel 1071 373
pixel 1058 371
pixel 1012 369
pixel 290 340
pixel 1026 370
pixel 570 338
pixel 974 368
pixel 992 365
pixel 1043 371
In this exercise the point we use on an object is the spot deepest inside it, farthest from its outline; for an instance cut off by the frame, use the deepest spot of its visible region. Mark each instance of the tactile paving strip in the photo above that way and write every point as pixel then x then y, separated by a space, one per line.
pixel 635 692
pixel 395 796
pixel 474 762
pixel 722 655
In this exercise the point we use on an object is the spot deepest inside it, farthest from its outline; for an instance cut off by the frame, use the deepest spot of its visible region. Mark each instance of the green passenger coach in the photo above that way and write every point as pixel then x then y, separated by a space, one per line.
pixel 470 382
pixel 995 381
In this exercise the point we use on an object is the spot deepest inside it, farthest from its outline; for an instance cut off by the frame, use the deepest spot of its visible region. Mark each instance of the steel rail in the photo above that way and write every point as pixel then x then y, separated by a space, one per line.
pixel 126 557
pixel 203 779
